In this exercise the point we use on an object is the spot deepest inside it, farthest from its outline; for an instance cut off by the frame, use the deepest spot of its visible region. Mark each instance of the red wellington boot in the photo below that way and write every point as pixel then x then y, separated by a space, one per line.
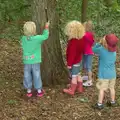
pixel 71 89
pixel 80 88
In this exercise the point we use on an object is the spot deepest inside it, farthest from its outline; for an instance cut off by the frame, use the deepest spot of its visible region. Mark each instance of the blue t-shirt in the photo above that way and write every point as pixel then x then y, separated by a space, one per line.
pixel 107 59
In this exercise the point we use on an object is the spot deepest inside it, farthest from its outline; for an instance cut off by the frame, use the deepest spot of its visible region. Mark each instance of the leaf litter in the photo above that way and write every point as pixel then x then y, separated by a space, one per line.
pixel 54 105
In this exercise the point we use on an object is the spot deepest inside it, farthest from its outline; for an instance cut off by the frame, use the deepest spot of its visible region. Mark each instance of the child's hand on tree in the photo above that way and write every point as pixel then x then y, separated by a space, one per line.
pixel 47 25
pixel 69 67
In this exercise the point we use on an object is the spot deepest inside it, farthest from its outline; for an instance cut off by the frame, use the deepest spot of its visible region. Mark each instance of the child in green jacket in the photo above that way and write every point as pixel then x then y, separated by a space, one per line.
pixel 31 46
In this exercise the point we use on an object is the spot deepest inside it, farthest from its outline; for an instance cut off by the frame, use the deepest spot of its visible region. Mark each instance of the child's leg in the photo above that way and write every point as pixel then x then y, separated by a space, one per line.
pixel 74 80
pixel 84 64
pixel 102 85
pixel 80 84
pixel 71 90
pixel 74 71
pixel 89 75
pixel 112 90
pixel 79 78
pixel 112 94
pixel 99 104
pixel 28 79
pixel 88 68
pixel 101 96
pixel 37 78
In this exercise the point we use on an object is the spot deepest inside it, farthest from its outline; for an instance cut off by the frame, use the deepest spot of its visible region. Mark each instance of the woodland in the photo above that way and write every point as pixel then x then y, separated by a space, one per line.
pixel 105 15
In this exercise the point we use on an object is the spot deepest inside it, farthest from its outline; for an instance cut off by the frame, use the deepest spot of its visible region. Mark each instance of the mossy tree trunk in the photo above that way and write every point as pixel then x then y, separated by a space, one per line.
pixel 52 66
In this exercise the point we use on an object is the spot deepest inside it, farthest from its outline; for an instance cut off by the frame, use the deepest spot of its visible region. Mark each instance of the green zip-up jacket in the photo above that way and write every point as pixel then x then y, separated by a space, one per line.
pixel 31 47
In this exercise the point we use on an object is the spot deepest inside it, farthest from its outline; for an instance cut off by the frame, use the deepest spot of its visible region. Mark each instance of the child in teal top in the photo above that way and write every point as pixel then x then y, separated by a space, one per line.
pixel 107 59
pixel 106 50
pixel 31 46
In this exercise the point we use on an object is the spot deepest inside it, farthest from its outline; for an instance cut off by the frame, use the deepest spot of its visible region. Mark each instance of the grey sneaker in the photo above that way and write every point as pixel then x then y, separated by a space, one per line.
pixel 109 104
pixel 99 107
pixel 88 83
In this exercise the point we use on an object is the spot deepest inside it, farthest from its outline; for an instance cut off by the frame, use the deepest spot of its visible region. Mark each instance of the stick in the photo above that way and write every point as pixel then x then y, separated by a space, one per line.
pixel 46 14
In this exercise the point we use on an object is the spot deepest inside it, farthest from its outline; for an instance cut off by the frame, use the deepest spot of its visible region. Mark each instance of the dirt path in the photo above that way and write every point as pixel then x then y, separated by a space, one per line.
pixel 54 105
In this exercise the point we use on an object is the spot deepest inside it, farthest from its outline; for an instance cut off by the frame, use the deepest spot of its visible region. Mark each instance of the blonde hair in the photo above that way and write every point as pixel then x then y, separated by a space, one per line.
pixel 74 29
pixel 103 42
pixel 29 28
pixel 88 26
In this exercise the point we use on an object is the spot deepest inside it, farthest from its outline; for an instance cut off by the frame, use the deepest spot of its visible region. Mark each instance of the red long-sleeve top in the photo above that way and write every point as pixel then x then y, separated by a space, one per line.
pixel 89 38
pixel 74 52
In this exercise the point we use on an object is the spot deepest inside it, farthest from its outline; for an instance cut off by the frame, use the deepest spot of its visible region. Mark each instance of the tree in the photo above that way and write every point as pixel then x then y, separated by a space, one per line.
pixel 98 12
pixel 84 10
pixel 52 67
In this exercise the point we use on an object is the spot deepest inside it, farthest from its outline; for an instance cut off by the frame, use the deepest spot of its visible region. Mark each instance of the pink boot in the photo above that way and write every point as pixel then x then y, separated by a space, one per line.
pixel 71 89
pixel 80 88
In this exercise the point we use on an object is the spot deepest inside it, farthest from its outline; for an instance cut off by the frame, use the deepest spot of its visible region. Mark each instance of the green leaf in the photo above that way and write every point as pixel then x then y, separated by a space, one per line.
pixel 84 100
pixel 12 102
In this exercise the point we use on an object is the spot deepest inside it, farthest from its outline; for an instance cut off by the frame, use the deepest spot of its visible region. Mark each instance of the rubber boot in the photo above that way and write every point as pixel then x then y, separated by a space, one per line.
pixel 71 90
pixel 80 88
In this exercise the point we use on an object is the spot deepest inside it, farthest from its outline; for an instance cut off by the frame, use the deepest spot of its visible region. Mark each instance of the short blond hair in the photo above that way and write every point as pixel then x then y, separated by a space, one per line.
pixel 29 28
pixel 88 26
pixel 74 29
pixel 103 42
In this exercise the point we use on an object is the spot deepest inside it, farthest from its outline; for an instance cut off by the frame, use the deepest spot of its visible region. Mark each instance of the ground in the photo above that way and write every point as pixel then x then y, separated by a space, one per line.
pixel 54 105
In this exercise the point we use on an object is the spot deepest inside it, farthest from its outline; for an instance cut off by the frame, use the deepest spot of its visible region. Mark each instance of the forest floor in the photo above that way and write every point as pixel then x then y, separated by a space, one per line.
pixel 54 105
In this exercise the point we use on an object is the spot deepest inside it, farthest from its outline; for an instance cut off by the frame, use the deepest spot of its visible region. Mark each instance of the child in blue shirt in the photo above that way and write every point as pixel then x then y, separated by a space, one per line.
pixel 106 50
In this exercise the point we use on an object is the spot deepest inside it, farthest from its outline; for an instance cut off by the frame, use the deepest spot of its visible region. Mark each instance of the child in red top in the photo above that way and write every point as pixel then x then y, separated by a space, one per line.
pixel 88 53
pixel 75 32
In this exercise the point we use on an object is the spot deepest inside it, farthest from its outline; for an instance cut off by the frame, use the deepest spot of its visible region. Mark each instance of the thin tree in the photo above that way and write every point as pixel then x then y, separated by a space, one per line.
pixel 84 10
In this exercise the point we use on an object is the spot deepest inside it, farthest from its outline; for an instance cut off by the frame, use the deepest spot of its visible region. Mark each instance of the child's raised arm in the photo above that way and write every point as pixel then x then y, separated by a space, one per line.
pixel 96 48
pixel 44 35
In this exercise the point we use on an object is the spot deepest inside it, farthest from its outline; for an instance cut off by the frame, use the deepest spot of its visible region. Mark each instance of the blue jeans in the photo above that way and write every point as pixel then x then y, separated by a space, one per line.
pixel 87 62
pixel 32 75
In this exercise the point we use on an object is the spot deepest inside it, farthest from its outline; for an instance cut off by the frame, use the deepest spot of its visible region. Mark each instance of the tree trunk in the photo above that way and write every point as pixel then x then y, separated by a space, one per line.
pixel 52 67
pixel 98 12
pixel 84 10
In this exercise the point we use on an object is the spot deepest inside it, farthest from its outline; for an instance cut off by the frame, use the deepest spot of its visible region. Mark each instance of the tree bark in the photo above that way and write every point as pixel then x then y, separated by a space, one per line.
pixel 98 12
pixel 52 67
pixel 84 10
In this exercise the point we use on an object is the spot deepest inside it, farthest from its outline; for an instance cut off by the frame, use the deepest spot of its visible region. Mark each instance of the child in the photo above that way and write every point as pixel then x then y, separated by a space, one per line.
pixel 106 50
pixel 31 45
pixel 88 53
pixel 75 32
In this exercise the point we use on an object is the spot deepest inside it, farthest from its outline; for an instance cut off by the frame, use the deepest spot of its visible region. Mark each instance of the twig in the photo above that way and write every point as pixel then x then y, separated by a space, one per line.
pixel 46 13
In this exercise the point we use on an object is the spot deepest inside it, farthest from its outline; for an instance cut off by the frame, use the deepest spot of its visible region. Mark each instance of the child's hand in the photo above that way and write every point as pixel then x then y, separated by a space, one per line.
pixel 47 25
pixel 69 67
